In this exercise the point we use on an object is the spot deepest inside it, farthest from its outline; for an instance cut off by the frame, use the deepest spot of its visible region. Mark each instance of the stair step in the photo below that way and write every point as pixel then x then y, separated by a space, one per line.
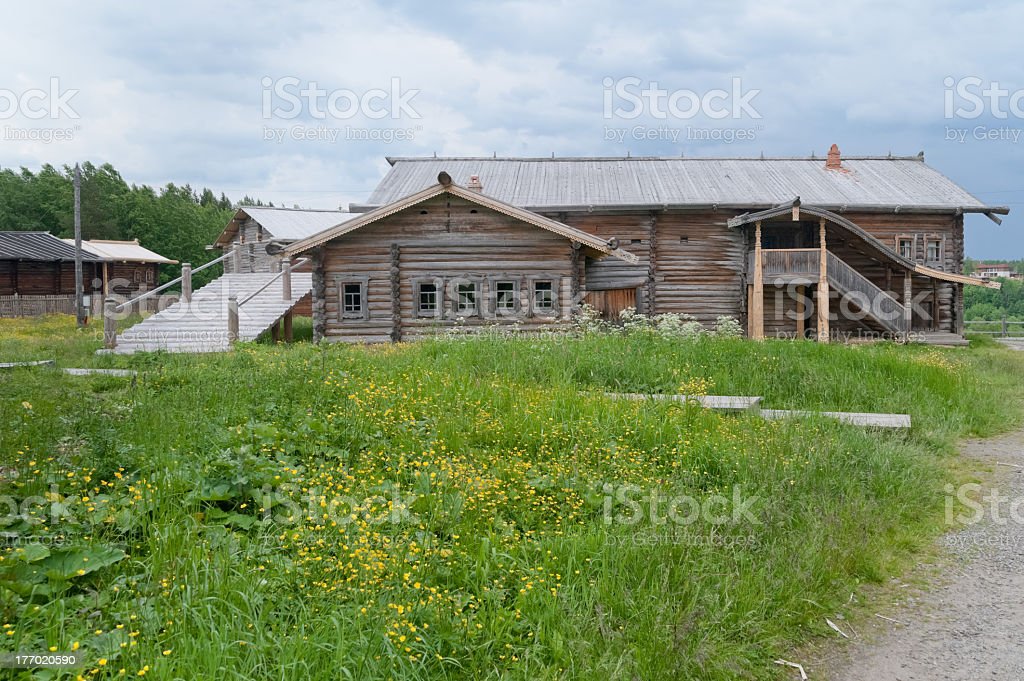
pixel 201 325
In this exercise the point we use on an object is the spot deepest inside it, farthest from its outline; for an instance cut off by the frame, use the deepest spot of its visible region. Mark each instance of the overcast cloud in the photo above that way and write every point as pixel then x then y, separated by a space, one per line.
pixel 175 92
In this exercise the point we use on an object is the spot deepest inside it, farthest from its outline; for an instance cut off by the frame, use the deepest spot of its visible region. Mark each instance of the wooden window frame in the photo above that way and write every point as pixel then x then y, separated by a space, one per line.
pixel 439 300
pixel 478 292
pixel 543 312
pixel 364 292
pixel 492 296
pixel 912 238
pixel 941 241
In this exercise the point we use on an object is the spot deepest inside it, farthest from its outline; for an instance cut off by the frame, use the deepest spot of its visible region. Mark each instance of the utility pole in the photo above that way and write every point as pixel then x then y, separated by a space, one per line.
pixel 79 293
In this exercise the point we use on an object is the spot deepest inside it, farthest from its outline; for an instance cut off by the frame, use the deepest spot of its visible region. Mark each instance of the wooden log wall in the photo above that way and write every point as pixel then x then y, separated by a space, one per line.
pixel 441 240
pixel 319 295
pixel 27 277
pixel 253 239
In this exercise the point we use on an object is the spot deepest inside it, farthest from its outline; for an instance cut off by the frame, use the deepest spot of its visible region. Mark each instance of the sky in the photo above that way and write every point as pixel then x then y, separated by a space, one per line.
pixel 299 103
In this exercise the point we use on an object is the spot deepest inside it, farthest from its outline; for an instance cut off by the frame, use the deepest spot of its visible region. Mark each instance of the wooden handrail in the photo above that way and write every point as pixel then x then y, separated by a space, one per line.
pixel 299 263
pixel 163 287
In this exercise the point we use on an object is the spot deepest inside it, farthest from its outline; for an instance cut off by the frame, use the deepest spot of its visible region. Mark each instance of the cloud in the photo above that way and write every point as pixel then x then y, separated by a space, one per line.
pixel 176 95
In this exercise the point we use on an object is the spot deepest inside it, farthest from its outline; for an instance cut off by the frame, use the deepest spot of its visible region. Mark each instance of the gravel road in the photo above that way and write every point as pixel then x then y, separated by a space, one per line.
pixel 970 626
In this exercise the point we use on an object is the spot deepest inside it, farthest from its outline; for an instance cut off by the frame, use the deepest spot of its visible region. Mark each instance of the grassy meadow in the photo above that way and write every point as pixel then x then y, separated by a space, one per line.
pixel 469 508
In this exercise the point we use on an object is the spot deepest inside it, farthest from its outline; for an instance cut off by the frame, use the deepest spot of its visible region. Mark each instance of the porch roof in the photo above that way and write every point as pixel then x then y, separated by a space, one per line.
pixel 870 240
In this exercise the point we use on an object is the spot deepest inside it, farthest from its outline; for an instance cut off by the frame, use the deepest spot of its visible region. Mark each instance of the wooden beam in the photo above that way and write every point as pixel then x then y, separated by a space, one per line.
pixel 288 335
pixel 801 313
pixel 823 330
pixel 757 303
pixel 396 293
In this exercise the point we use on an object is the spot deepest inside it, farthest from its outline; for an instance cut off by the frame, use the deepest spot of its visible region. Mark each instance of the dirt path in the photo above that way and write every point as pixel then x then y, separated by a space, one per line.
pixel 971 626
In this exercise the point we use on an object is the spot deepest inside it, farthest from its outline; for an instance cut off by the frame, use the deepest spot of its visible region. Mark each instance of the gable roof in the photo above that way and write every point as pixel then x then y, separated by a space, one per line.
pixel 284 224
pixel 39 247
pixel 551 184
pixel 596 244
pixel 121 251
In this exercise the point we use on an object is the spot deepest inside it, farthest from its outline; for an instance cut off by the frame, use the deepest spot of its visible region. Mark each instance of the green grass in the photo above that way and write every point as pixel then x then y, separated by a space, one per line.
pixel 437 509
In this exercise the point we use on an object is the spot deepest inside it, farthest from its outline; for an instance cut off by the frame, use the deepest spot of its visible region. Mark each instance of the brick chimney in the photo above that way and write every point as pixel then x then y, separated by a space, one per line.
pixel 834 161
pixel 474 184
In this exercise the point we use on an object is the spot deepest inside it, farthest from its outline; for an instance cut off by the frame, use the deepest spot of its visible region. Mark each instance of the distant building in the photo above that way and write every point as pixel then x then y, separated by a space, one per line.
pixel 37 272
pixel 995 271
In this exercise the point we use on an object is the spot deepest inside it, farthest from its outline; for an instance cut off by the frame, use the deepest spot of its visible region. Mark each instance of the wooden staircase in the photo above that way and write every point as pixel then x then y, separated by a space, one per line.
pixel 204 323
pixel 882 307
pixel 802 265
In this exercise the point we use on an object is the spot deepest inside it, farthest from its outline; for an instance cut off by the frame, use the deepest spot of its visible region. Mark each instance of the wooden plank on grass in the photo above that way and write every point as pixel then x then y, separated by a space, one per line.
pixel 716 402
pixel 39 363
pixel 100 372
pixel 853 418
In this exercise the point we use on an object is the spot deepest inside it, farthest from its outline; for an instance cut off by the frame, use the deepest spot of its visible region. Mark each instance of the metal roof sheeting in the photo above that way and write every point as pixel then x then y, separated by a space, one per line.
pixel 541 183
pixel 39 246
pixel 289 224
pixel 121 251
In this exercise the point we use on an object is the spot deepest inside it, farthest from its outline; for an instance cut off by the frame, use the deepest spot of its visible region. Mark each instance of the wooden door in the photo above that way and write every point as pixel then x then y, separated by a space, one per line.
pixel 612 302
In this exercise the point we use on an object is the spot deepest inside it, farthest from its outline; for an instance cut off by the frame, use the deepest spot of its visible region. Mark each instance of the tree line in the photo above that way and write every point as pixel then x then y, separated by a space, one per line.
pixel 177 222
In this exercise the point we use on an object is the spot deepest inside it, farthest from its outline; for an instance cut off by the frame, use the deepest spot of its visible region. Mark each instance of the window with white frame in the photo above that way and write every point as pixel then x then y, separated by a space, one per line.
pixel 352 298
pixel 505 294
pixel 934 250
pixel 465 297
pixel 426 299
pixel 543 296
pixel 906 247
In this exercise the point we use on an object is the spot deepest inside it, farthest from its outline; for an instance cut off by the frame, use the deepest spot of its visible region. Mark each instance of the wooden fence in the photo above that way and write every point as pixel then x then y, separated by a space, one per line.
pixel 1001 327
pixel 33 306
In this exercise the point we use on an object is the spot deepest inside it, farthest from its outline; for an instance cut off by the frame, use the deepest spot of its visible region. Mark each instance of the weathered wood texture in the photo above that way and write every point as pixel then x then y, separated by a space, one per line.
pixel 253 239
pixel 34 306
pixel 443 241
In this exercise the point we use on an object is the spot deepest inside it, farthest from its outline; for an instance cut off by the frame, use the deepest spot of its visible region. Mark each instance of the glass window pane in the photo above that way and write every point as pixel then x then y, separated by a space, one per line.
pixel 352 298
pixel 428 297
pixel 506 295
pixel 543 295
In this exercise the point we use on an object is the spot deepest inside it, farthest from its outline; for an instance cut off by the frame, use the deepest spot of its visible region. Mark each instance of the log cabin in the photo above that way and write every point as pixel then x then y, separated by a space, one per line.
pixel 37 272
pixel 814 247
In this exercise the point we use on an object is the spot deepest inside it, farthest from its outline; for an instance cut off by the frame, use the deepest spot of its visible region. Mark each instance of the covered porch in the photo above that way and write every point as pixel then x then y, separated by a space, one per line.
pixel 812 273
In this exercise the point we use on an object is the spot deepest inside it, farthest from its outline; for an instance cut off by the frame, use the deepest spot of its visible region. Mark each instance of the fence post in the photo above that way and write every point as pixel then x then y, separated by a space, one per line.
pixel 286 279
pixel 232 319
pixel 1005 327
pixel 186 282
pixel 109 323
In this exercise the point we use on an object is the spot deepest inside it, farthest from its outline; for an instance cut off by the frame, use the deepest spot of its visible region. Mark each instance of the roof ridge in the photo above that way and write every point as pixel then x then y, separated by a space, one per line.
pixel 295 210
pixel 536 159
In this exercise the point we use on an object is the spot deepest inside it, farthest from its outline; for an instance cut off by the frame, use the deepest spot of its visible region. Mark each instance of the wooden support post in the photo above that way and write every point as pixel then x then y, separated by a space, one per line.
pixel 396 292
pixel 236 259
pixel 288 337
pixel 109 323
pixel 186 282
pixel 757 304
pixel 823 311
pixel 801 311
pixel 275 332
pixel 232 319
pixel 935 304
pixel 286 279
pixel 888 279
pixel 908 303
